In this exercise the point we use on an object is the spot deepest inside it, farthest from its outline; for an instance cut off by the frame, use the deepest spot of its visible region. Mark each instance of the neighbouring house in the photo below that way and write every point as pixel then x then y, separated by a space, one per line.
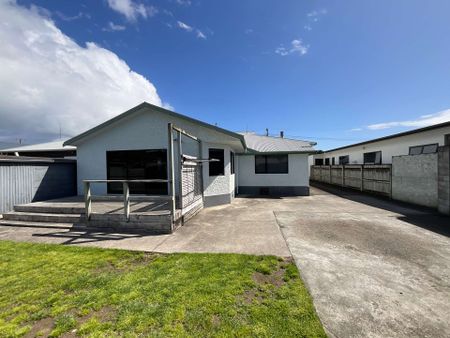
pixel 54 149
pixel 381 150
pixel 136 145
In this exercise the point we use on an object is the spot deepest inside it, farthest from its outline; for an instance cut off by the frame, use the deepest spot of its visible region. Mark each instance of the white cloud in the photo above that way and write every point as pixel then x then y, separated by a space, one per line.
pixel 132 10
pixel 47 79
pixel 200 34
pixel 297 47
pixel 422 121
pixel 184 2
pixel 112 27
pixel 80 15
pixel 356 129
pixel 184 26
pixel 307 27
pixel 190 29
pixel 248 31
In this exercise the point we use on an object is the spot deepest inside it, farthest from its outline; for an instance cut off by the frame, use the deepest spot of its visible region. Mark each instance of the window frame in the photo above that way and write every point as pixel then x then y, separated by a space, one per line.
pixel 266 170
pixel 422 146
pixel 373 152
pixel 347 157
pixel 232 163
pixel 213 164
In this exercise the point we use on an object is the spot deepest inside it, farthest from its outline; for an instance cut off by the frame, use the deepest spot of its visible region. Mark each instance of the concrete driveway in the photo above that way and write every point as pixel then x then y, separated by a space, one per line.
pixel 374 268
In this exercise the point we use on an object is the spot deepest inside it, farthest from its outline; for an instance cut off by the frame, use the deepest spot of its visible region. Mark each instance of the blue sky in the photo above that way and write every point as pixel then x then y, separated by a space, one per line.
pixel 327 71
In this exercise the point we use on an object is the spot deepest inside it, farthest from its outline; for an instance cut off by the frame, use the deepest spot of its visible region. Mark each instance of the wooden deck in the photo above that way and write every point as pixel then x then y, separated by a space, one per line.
pixel 146 214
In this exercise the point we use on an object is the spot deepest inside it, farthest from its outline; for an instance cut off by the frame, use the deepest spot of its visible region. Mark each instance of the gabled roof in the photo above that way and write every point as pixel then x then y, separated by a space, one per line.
pixel 48 146
pixel 405 133
pixel 76 139
pixel 268 144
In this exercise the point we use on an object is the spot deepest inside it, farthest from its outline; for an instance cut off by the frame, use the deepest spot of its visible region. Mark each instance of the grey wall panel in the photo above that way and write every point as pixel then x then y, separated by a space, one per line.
pixel 28 182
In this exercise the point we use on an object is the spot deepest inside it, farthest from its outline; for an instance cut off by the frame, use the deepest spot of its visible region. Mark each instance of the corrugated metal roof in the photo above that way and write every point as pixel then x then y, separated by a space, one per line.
pixel 269 144
pixel 48 146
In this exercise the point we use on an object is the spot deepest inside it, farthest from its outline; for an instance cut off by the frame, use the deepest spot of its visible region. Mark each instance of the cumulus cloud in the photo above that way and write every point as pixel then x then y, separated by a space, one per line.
pixel 132 10
pixel 112 27
pixel 47 79
pixel 297 47
pixel 422 121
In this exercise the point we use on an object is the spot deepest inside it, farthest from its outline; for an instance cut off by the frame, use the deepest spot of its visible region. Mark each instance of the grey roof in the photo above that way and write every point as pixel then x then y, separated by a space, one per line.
pixel 269 144
pixel 48 146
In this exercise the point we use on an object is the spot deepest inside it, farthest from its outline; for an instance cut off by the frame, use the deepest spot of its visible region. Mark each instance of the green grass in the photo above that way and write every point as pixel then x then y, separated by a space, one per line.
pixel 54 289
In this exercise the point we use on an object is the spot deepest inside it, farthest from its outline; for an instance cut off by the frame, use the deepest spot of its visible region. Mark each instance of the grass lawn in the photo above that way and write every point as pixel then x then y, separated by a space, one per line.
pixel 67 291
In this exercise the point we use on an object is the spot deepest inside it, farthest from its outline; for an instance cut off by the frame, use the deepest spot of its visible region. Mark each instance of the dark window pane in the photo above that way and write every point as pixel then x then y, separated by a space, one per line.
pixel 344 159
pixel 430 149
pixel 216 168
pixel 137 165
pixel 415 150
pixel 372 157
pixel 232 162
pixel 271 164
pixel 327 161
pixel 318 161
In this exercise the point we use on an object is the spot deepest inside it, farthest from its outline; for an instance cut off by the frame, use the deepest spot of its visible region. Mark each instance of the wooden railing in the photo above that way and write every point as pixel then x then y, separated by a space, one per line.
pixel 126 195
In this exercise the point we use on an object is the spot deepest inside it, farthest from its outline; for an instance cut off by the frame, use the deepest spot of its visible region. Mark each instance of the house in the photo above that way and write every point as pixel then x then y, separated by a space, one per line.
pixel 54 149
pixel 137 145
pixel 381 150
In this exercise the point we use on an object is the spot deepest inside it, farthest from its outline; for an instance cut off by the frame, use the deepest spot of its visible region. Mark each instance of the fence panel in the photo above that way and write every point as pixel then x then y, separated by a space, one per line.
pixel 370 178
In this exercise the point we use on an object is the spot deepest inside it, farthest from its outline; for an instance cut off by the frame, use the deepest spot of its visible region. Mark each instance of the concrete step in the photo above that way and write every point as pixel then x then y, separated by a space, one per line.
pixel 43 217
pixel 28 224
pixel 49 209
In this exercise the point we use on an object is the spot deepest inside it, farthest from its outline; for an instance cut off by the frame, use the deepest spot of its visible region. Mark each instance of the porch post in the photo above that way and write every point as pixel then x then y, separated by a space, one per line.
pixel 87 199
pixel 126 200
pixel 171 184
pixel 180 168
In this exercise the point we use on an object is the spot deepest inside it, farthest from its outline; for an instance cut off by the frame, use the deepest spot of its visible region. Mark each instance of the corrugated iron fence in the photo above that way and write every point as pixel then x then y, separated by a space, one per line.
pixel 25 180
pixel 371 178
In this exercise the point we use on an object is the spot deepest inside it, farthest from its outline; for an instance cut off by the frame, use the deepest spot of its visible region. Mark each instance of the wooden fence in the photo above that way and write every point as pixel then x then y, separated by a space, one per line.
pixel 370 178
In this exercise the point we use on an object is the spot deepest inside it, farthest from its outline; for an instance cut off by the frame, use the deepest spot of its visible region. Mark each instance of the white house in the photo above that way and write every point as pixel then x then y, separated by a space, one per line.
pixel 134 146
pixel 381 150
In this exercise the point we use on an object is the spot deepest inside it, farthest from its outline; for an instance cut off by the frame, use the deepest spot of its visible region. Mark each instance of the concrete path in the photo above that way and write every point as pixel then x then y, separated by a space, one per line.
pixel 374 268
pixel 246 226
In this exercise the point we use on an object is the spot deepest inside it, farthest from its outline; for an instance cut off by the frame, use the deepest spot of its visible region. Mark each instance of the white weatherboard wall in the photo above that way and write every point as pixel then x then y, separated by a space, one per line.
pixel 392 147
pixel 298 175
pixel 147 129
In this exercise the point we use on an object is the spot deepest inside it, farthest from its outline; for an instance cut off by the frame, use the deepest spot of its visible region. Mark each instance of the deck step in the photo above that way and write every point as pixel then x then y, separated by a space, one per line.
pixel 28 224
pixel 42 217
pixel 49 209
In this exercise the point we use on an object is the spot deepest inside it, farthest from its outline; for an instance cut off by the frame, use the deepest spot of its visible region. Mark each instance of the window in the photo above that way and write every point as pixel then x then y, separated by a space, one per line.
pixel 327 161
pixel 216 168
pixel 373 157
pixel 333 161
pixel 137 165
pixel 447 139
pixel 232 162
pixel 271 164
pixel 425 149
pixel 318 161
pixel 343 160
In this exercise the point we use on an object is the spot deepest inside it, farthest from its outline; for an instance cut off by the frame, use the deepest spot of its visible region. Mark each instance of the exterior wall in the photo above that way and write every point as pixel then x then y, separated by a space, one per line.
pixel 392 147
pixel 444 180
pixel 415 179
pixel 147 129
pixel 295 182
pixel 29 182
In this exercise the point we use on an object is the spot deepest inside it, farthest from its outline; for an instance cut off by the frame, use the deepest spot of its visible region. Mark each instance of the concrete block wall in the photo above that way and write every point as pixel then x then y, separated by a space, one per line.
pixel 415 179
pixel 444 180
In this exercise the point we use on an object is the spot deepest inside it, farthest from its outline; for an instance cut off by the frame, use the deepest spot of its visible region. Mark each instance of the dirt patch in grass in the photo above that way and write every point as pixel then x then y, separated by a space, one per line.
pixel 41 328
pixel 105 314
